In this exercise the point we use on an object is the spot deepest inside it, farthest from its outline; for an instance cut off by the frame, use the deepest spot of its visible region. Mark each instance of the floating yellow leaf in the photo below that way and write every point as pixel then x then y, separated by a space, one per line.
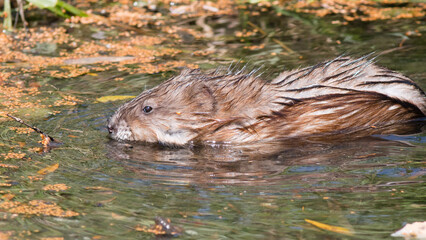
pixel 330 227
pixel 112 98
pixel 48 169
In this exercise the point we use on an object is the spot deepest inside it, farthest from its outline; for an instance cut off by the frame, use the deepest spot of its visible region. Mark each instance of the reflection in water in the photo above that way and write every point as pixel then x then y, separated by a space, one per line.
pixel 287 162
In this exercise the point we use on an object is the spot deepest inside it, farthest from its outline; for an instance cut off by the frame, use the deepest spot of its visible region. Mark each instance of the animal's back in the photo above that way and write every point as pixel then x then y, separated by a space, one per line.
pixel 347 75
pixel 341 96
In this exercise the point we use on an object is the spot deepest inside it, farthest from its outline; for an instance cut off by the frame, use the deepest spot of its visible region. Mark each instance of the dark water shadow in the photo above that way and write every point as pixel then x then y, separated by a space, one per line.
pixel 290 161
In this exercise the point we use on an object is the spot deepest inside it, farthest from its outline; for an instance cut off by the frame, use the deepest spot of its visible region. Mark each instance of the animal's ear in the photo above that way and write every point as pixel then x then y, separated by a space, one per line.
pixel 202 98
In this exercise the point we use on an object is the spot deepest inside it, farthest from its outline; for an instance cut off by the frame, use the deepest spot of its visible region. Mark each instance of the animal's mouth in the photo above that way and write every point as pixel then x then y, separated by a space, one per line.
pixel 119 132
pixel 123 135
pixel 110 129
pixel 111 135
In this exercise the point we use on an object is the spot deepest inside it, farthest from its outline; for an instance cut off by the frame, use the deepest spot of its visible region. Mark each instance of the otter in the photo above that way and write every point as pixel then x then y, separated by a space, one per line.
pixel 333 98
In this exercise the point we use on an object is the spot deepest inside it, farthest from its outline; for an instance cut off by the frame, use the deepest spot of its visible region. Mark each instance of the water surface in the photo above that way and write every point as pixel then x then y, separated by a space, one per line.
pixel 371 186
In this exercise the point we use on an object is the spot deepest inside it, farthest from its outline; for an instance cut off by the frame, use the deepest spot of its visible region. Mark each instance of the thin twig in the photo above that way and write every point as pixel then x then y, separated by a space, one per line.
pixel 256 27
pixel 32 127
pixel 16 20
pixel 208 31
pixel 283 45
pixel 21 13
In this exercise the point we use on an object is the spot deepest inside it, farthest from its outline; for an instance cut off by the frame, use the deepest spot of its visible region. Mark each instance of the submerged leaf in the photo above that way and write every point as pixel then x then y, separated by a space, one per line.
pixel 330 227
pixel 48 169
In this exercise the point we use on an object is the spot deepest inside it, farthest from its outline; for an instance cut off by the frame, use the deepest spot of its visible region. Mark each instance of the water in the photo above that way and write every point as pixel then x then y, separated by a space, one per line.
pixel 371 187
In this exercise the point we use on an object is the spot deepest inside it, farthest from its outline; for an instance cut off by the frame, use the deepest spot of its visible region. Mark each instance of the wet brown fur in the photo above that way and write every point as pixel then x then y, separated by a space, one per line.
pixel 341 96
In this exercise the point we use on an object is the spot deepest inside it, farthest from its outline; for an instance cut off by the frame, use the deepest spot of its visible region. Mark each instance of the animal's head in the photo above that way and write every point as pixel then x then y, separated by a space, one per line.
pixel 171 113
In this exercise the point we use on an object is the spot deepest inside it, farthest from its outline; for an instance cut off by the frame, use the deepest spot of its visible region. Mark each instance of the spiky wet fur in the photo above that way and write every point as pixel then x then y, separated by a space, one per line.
pixel 340 96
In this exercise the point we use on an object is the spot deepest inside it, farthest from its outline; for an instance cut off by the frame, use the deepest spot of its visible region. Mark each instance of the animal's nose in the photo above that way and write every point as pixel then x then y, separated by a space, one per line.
pixel 110 129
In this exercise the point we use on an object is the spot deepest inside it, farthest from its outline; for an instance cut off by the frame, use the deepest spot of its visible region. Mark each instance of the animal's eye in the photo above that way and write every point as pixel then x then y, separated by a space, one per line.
pixel 147 109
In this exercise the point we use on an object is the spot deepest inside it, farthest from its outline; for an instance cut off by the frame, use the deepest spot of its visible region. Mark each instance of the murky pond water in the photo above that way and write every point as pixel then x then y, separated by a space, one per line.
pixel 371 186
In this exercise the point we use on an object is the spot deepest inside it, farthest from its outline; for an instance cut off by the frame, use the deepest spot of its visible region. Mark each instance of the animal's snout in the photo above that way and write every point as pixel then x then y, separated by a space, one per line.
pixel 110 129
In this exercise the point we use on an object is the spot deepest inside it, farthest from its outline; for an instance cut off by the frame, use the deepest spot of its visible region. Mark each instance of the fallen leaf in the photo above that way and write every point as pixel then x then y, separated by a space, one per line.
pixel 45 140
pixel 416 230
pixel 56 187
pixel 6 235
pixel 330 227
pixel 8 196
pixel 48 169
pixel 117 216
pixel 8 165
pixel 112 98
